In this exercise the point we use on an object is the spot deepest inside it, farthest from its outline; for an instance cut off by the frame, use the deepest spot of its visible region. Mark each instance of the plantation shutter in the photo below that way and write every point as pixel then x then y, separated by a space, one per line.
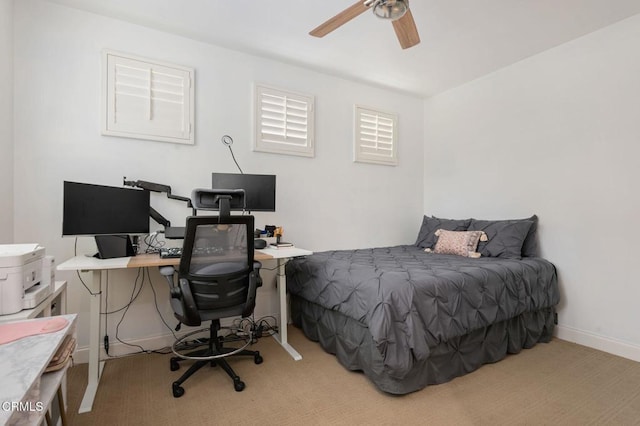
pixel 375 136
pixel 148 100
pixel 284 122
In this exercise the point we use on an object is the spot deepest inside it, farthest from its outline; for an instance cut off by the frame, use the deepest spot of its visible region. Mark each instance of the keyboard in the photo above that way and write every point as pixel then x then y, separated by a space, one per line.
pixel 170 252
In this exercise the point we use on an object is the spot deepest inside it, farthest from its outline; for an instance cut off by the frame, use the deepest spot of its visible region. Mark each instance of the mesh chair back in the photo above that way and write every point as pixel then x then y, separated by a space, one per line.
pixel 217 259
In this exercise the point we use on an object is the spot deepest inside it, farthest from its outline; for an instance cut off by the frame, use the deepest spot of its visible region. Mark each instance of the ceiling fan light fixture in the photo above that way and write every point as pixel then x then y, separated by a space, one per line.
pixel 391 9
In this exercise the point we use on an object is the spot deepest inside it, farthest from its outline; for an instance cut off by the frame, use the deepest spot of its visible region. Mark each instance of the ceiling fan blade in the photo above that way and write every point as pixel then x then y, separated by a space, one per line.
pixel 406 30
pixel 340 19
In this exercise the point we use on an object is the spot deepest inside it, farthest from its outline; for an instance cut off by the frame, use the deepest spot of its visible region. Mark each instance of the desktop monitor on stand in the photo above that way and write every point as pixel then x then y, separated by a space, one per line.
pixel 260 190
pixel 110 214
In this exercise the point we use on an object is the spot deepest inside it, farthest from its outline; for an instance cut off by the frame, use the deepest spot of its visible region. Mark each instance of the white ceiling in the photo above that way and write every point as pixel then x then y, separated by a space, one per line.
pixel 461 39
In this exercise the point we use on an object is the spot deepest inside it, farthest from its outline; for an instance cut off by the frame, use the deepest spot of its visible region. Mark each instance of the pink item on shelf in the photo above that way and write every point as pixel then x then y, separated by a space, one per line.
pixel 18 330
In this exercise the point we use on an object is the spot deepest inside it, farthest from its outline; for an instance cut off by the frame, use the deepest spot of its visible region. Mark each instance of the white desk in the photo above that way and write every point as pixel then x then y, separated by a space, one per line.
pixel 22 363
pixel 282 255
pixel 84 263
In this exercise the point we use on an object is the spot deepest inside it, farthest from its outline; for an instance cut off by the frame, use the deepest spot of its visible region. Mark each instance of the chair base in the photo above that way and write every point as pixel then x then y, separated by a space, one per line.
pixel 214 355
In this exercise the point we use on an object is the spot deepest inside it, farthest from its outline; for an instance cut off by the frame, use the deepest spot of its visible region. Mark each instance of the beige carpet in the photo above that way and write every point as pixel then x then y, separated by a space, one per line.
pixel 558 383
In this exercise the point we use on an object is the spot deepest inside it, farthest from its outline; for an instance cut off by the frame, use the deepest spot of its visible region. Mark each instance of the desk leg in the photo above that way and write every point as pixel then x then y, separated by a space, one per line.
pixel 95 366
pixel 284 312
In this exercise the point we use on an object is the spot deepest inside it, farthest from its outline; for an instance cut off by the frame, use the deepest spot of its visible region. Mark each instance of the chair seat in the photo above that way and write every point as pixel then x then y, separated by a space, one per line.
pixel 205 315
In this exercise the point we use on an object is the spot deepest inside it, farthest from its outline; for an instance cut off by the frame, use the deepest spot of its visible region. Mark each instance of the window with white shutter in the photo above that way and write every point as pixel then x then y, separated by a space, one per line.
pixel 376 136
pixel 145 99
pixel 283 121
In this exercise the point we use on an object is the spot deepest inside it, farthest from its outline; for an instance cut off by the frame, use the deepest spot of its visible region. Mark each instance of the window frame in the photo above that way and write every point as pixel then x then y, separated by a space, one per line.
pixel 283 144
pixel 158 130
pixel 374 154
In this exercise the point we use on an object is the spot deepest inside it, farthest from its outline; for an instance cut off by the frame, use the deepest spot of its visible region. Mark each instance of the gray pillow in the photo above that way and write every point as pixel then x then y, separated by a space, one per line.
pixel 530 245
pixel 426 236
pixel 506 237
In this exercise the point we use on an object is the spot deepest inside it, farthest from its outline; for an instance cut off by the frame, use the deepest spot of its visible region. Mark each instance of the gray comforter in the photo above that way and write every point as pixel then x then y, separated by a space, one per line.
pixel 411 300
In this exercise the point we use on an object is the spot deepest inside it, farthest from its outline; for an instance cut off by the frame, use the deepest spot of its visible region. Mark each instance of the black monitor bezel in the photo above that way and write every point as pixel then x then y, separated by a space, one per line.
pixel 241 180
pixel 131 208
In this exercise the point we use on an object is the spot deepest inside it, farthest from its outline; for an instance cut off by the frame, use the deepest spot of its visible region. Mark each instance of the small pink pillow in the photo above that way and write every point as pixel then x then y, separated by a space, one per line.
pixel 461 243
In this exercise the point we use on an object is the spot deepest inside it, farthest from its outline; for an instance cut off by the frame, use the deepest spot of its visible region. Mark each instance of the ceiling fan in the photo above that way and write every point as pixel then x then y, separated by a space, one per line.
pixel 397 11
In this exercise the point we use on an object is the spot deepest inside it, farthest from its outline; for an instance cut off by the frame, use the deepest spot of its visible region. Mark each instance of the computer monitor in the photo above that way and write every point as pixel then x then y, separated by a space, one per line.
pixel 260 190
pixel 104 210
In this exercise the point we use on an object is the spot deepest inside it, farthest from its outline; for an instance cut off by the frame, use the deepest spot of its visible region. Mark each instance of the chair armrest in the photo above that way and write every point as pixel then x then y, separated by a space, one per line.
pixel 256 267
pixel 168 272
pixel 251 294
pixel 189 308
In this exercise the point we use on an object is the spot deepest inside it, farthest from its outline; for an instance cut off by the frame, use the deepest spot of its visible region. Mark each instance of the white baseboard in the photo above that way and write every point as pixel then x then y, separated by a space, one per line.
pixel 117 349
pixel 602 343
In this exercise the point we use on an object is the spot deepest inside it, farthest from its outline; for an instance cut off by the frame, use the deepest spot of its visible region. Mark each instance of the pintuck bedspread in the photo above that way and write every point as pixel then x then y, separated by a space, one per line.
pixel 413 303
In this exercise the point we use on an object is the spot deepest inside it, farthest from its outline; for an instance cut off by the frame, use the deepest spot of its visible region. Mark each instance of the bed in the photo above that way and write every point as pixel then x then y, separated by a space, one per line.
pixel 409 318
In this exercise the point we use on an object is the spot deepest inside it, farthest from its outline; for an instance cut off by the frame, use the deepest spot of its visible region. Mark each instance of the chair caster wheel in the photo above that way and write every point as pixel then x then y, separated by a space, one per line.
pixel 238 385
pixel 178 390
pixel 173 364
pixel 258 359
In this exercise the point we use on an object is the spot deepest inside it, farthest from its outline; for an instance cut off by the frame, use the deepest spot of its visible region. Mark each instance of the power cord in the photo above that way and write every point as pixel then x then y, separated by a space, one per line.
pixel 75 253
pixel 106 318
pixel 153 243
pixel 142 276
pixel 155 301
pixel 255 328
pixel 132 298
pixel 263 328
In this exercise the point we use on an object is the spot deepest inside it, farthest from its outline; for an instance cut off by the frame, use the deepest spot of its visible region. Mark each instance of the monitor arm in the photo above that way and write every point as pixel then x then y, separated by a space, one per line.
pixel 156 187
pixel 155 215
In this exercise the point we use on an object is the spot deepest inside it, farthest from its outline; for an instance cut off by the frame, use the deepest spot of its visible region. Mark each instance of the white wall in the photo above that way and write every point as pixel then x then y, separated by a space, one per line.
pixel 323 202
pixel 6 121
pixel 558 135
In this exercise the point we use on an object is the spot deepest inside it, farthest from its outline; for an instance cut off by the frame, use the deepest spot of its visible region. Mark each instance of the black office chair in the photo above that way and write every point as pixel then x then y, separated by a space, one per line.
pixel 217 278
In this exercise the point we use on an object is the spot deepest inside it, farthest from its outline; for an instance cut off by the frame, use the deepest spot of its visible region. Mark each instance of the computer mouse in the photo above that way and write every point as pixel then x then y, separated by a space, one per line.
pixel 259 243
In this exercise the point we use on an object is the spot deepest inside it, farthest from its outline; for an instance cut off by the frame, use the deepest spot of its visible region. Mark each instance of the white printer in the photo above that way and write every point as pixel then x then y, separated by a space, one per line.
pixel 21 268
